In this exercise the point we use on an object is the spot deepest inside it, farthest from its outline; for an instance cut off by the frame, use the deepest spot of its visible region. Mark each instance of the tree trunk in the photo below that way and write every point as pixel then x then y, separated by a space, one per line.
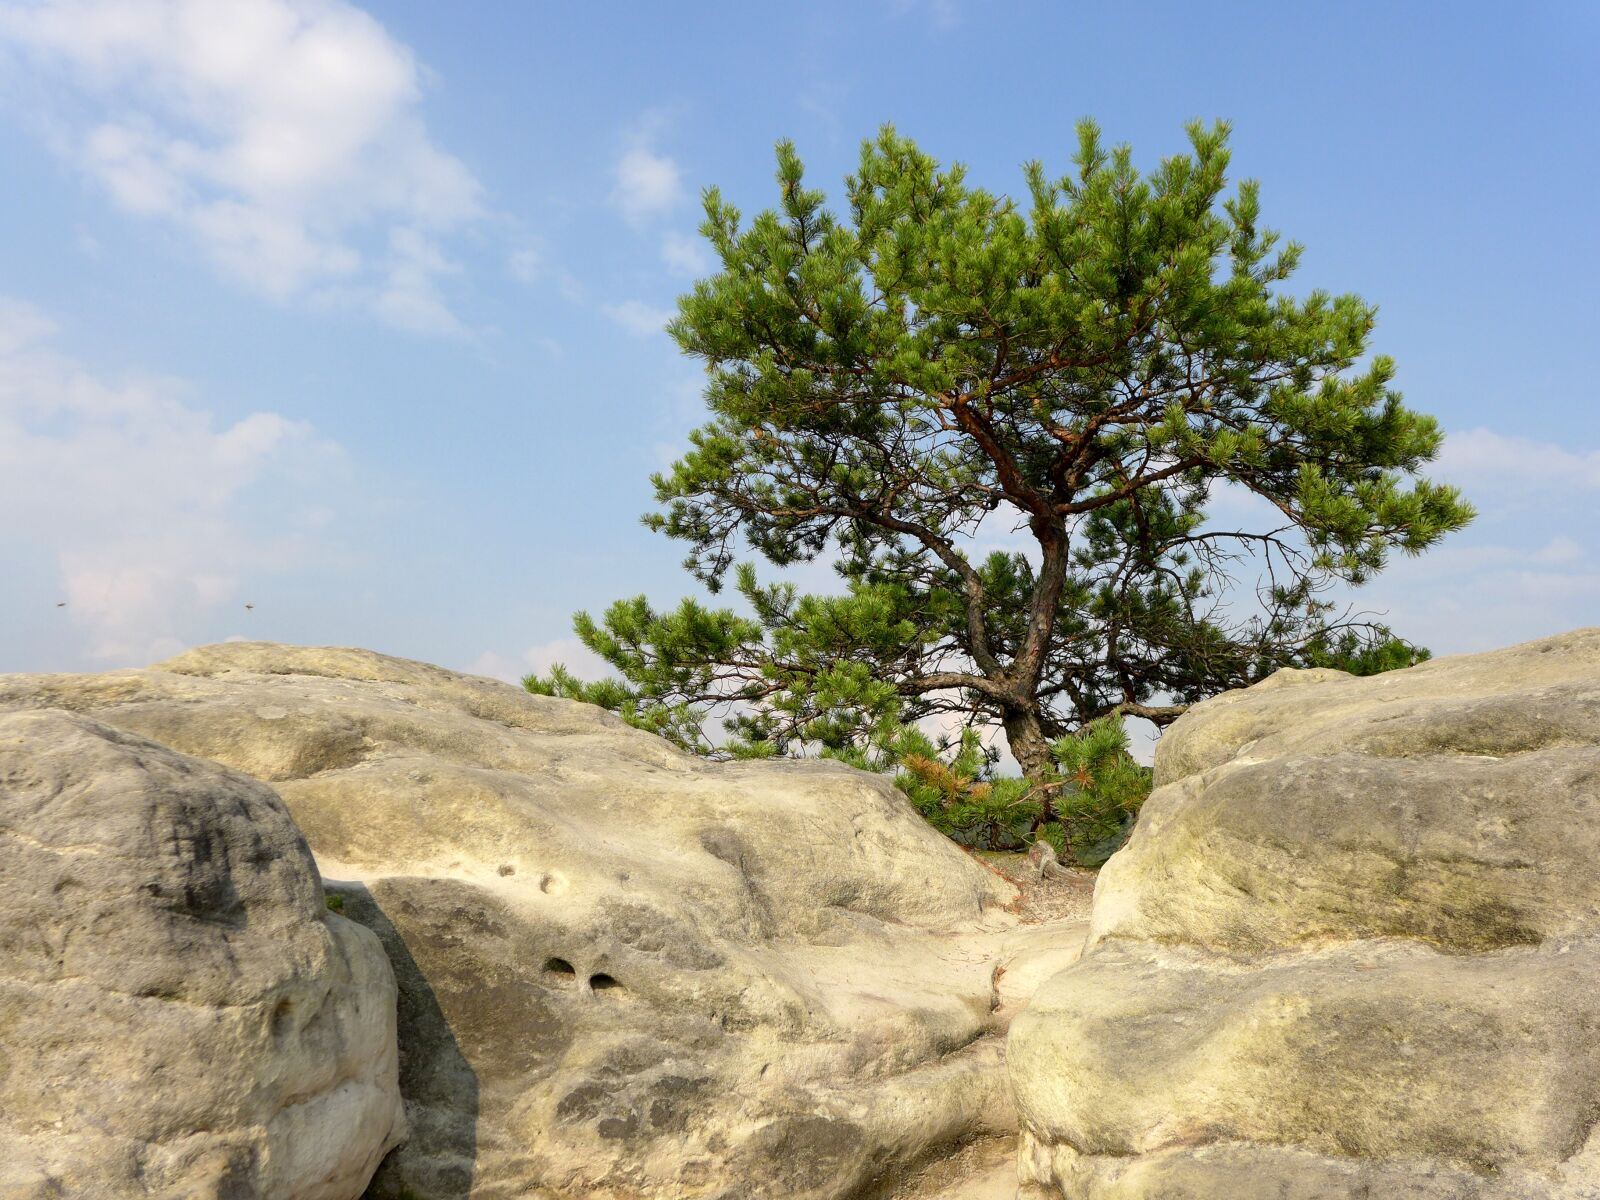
pixel 1031 749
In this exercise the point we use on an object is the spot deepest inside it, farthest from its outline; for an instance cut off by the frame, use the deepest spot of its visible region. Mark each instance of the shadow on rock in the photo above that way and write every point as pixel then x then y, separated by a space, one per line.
pixel 438 1085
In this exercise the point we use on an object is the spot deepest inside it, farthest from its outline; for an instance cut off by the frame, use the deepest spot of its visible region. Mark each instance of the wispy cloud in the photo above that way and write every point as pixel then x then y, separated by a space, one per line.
pixel 647 183
pixel 22 325
pixel 943 15
pixel 638 318
pixel 687 255
pixel 283 136
pixel 156 513
pixel 409 296
pixel 1488 596
pixel 1484 457
pixel 1525 568
pixel 525 264
pixel 568 651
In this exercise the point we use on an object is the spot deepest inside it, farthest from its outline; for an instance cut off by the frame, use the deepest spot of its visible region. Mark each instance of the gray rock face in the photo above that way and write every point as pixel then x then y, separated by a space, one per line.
pixel 1350 950
pixel 180 1016
pixel 623 971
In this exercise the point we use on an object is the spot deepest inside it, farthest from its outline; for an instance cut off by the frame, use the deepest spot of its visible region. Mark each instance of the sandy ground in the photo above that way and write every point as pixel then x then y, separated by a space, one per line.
pixel 983 1170
pixel 1061 899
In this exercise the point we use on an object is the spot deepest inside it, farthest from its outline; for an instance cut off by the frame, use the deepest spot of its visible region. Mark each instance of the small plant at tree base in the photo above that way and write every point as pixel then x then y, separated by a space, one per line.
pixel 1084 370
pixel 1096 788
pixel 1349 652
pixel 959 797
pixel 1101 788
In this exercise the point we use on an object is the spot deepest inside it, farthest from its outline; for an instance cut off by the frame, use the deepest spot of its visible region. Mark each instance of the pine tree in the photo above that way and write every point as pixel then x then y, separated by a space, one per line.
pixel 1082 374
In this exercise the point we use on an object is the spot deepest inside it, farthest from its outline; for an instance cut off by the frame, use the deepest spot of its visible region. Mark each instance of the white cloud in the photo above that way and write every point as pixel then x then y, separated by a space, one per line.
pixel 22 325
pixel 524 264
pixel 571 287
pixel 282 135
pixel 1509 596
pixel 944 15
pixel 496 666
pixel 1522 570
pixel 647 183
pixel 1559 551
pixel 569 652
pixel 151 508
pixel 1481 456
pixel 409 299
pixel 687 255
pixel 638 318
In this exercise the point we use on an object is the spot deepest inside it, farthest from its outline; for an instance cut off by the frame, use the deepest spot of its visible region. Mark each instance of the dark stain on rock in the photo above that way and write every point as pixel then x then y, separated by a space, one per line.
pixel 582 1103
pixel 813 1151
pixel 650 931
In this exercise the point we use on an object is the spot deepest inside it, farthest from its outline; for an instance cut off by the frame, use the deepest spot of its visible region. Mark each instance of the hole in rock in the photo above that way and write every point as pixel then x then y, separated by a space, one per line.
pixel 560 970
pixel 282 1018
pixel 602 982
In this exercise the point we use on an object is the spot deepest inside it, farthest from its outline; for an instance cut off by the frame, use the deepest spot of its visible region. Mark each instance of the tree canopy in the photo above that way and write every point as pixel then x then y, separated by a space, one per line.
pixel 1007 424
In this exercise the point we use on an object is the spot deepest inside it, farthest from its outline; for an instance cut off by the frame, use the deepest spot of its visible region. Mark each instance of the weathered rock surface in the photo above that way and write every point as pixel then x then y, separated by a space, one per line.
pixel 623 972
pixel 180 1016
pixel 1351 950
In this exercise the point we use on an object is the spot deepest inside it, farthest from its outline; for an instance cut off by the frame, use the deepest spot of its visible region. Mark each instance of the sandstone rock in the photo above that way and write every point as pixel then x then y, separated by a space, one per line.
pixel 1030 956
pixel 180 1015
pixel 981 1170
pixel 623 971
pixel 1349 950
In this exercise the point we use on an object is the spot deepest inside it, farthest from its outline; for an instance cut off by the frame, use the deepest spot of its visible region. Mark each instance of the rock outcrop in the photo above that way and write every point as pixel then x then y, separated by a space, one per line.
pixel 623 971
pixel 181 1018
pixel 1351 950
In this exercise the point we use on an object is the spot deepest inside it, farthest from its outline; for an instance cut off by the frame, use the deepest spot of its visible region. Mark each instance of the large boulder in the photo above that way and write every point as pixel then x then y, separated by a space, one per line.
pixel 180 1016
pixel 623 971
pixel 1351 950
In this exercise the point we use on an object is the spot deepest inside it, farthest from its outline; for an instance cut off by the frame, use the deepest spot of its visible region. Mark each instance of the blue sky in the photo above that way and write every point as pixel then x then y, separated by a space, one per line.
pixel 352 313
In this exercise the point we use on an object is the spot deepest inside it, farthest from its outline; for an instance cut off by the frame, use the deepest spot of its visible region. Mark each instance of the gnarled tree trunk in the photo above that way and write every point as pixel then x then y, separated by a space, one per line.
pixel 1031 748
